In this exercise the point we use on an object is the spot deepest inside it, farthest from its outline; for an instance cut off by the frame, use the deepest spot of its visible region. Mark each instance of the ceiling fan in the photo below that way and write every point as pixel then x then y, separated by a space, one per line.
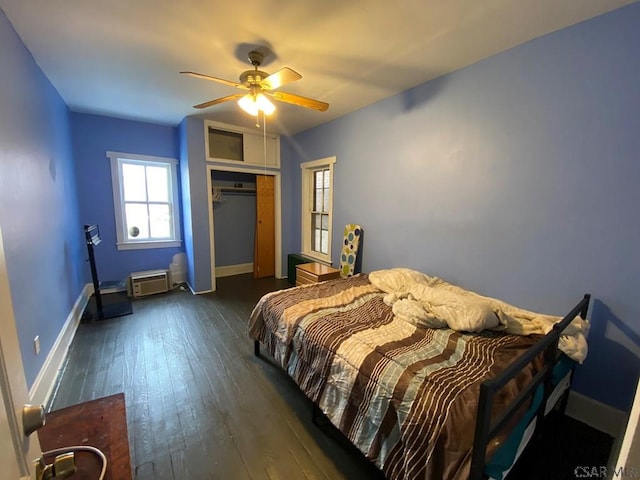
pixel 261 86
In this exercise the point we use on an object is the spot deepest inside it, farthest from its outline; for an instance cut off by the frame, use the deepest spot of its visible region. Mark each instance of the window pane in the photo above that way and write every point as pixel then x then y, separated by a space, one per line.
pixel 160 221
pixel 316 232
pixel 317 191
pixel 224 144
pixel 324 234
pixel 158 184
pixel 317 205
pixel 136 221
pixel 326 183
pixel 133 182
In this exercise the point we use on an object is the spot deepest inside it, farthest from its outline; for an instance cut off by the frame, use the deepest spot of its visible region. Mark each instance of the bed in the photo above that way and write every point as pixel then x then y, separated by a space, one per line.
pixel 417 401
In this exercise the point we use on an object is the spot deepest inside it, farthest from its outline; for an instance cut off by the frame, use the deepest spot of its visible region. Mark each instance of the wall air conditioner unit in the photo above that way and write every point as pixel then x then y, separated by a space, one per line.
pixel 148 283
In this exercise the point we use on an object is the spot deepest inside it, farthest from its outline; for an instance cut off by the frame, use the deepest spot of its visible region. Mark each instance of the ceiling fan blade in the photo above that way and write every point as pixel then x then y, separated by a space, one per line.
pixel 228 98
pixel 281 77
pixel 216 79
pixel 299 100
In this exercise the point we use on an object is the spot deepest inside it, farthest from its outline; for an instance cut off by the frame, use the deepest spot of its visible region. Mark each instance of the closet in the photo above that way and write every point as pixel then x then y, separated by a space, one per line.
pixel 244 218
pixel 244 165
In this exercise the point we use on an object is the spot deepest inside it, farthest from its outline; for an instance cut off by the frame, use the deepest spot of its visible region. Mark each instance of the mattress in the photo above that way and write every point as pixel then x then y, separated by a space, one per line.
pixel 406 396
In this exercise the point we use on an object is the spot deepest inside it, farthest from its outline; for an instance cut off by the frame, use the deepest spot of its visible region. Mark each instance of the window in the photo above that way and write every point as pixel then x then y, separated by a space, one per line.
pixel 317 205
pixel 145 199
pixel 223 144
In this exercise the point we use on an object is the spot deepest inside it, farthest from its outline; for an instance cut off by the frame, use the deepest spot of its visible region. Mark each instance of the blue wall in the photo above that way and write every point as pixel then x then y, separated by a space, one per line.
pixel 93 136
pixel 234 219
pixel 185 188
pixel 516 177
pixel 195 204
pixel 291 192
pixel 38 208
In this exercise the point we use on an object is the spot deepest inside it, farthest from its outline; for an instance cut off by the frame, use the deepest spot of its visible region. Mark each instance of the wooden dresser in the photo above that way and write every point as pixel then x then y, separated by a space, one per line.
pixel 314 273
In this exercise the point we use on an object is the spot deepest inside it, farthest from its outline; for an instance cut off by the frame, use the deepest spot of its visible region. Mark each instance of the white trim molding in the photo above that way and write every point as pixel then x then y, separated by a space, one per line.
pixel 602 417
pixel 308 169
pixel 260 148
pixel 230 270
pixel 117 159
pixel 277 215
pixel 193 292
pixel 45 381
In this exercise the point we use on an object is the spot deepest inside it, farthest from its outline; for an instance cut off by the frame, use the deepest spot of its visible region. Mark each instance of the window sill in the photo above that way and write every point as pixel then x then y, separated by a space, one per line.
pixel 146 245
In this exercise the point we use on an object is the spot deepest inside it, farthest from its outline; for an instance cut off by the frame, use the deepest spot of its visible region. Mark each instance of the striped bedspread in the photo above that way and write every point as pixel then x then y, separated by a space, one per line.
pixel 405 396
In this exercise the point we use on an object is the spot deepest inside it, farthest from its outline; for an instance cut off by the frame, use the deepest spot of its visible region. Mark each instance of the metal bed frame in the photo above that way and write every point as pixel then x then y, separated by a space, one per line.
pixel 486 426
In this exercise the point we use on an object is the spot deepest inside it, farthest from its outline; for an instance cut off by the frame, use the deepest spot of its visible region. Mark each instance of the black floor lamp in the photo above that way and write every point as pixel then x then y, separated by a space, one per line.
pixel 107 307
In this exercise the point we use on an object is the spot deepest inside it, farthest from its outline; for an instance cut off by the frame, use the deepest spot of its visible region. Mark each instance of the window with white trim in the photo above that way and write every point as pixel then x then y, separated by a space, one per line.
pixel 145 199
pixel 317 206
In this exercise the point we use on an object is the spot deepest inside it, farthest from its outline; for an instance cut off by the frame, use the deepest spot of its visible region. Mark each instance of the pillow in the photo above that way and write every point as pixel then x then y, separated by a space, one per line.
pixel 460 313
pixel 397 280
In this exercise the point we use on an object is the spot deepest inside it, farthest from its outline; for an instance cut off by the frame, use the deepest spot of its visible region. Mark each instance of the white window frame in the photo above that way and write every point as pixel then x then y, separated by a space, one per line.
pixel 117 159
pixel 308 169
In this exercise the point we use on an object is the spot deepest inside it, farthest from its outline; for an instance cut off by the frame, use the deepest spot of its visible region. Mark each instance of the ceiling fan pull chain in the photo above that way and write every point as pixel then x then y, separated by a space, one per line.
pixel 264 141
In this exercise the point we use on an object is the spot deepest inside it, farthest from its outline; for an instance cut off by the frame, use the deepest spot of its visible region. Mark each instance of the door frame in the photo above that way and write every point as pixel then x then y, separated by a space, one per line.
pixel 277 213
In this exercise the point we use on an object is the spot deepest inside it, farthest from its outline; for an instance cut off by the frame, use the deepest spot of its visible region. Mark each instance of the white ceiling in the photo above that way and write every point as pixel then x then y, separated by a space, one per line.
pixel 122 57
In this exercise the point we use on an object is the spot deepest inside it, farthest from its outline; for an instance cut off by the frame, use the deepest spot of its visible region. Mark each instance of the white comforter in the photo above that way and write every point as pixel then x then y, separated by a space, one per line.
pixel 431 302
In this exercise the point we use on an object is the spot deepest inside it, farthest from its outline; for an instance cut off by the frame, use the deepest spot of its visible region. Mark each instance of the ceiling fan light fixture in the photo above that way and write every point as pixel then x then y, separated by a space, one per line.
pixel 252 104
pixel 264 104
pixel 248 104
pixel 261 86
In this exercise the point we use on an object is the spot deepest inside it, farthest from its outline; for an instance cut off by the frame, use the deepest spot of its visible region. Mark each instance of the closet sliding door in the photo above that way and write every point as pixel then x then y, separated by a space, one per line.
pixel 264 250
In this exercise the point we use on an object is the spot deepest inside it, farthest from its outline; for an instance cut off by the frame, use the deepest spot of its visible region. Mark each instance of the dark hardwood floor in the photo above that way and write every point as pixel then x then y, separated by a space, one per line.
pixel 200 405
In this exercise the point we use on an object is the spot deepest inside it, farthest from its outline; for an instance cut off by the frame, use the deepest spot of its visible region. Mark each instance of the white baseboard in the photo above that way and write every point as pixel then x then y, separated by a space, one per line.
pixel 229 270
pixel 598 415
pixel 45 381
pixel 198 293
pixel 106 291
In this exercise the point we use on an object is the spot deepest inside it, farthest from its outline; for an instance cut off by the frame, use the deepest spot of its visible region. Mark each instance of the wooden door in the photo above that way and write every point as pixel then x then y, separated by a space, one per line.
pixel 264 261
pixel 16 451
